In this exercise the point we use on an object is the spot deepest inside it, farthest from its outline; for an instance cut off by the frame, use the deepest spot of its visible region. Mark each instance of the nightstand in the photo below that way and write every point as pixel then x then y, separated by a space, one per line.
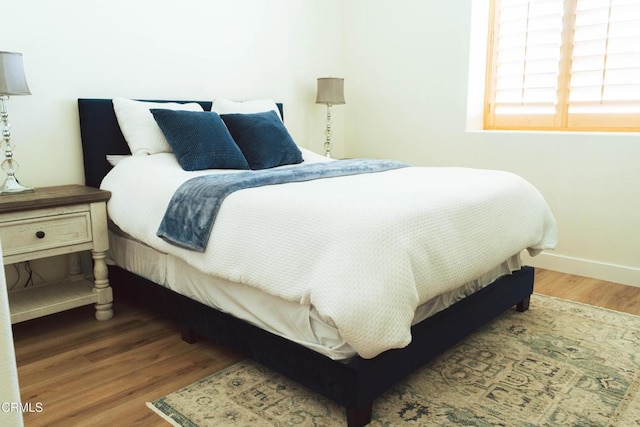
pixel 51 221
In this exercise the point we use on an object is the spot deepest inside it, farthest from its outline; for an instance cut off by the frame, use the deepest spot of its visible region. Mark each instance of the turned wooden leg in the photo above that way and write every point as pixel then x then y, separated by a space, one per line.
pixel 101 286
pixel 524 304
pixel 74 267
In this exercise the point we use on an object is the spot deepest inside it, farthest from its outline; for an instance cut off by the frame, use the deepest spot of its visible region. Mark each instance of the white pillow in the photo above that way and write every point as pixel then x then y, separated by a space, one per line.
pixel 139 128
pixel 114 159
pixel 224 106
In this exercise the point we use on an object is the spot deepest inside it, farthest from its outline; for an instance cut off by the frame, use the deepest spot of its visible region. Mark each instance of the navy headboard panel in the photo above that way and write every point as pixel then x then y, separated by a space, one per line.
pixel 101 135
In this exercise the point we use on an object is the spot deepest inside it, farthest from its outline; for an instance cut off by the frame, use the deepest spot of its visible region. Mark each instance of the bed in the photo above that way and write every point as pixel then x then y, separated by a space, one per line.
pixel 352 371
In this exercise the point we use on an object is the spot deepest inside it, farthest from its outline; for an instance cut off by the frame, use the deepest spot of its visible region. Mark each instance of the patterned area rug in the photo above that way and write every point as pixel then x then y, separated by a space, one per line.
pixel 558 364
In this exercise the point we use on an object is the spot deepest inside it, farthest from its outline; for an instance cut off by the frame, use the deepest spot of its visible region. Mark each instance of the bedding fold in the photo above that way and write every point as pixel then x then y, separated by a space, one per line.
pixel 194 206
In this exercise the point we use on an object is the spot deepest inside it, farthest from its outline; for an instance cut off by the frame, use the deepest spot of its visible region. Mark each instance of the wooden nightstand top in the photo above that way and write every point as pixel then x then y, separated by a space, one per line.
pixel 46 197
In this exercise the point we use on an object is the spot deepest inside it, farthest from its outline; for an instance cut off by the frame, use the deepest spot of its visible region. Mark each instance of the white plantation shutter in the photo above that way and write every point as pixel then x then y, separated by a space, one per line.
pixel 605 71
pixel 528 41
pixel 572 64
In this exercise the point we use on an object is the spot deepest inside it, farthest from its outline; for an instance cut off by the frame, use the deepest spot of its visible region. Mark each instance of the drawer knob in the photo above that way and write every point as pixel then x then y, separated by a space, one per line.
pixel 40 234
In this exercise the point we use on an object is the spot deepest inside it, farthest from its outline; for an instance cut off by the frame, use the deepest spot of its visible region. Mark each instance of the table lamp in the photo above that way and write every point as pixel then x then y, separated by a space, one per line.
pixel 12 82
pixel 330 92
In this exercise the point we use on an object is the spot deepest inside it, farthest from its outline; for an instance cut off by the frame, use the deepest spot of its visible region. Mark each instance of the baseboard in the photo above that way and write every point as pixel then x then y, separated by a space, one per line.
pixel 584 267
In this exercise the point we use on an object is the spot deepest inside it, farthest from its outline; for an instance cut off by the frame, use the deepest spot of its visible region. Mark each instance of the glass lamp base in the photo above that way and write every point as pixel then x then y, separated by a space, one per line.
pixel 12 186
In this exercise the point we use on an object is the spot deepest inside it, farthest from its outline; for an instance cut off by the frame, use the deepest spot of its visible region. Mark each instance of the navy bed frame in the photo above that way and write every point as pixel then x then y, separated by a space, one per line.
pixel 355 384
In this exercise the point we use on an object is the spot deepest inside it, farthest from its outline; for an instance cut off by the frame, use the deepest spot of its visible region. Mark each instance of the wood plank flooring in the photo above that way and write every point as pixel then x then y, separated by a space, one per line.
pixel 90 373
pixel 588 291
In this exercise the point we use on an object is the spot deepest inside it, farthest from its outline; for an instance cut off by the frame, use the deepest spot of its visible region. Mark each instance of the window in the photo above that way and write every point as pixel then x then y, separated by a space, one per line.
pixel 564 65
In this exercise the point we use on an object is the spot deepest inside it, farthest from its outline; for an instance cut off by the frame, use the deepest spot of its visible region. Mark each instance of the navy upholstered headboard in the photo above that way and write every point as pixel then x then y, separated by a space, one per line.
pixel 101 135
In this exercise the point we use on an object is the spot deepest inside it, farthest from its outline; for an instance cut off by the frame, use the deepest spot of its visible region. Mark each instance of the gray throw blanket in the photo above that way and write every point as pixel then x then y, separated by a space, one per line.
pixel 191 213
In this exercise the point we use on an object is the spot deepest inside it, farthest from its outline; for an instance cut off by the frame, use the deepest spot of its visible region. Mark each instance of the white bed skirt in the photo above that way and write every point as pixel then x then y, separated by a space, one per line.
pixel 298 323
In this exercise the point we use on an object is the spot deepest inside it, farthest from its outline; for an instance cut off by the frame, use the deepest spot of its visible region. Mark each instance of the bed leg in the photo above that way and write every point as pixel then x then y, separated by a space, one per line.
pixel 359 417
pixel 524 304
pixel 188 335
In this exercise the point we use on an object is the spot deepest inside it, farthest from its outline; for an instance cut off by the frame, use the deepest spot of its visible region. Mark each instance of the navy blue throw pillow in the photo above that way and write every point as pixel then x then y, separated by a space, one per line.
pixel 199 139
pixel 263 139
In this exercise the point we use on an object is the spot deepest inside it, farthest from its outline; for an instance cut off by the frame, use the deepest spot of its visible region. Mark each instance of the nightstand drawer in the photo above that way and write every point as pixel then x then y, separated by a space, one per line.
pixel 36 234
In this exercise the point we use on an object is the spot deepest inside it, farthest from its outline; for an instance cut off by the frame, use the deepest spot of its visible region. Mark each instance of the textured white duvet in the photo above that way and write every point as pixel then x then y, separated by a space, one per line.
pixel 365 250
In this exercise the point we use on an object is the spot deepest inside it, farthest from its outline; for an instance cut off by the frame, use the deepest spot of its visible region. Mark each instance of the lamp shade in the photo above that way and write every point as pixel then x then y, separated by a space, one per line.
pixel 12 78
pixel 330 91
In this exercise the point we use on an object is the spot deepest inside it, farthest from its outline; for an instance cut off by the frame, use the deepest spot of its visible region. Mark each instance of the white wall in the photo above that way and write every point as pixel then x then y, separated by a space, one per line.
pixel 408 73
pixel 196 49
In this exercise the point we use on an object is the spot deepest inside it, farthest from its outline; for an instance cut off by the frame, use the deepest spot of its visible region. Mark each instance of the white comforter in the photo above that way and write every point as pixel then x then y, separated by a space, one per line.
pixel 364 250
